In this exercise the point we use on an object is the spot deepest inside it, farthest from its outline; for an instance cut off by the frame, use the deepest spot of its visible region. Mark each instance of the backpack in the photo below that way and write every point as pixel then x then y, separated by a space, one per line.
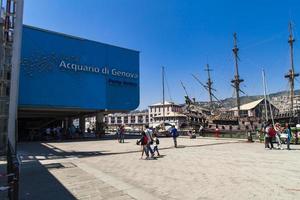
pixel 157 141
pixel 144 140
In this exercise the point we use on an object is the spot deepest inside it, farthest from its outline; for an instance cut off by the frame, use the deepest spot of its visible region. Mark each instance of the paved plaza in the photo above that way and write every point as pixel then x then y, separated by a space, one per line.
pixel 199 169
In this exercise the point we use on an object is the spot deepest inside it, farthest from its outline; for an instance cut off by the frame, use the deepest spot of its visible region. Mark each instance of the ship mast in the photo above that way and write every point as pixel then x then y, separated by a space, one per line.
pixel 291 74
pixel 163 93
pixel 209 86
pixel 236 81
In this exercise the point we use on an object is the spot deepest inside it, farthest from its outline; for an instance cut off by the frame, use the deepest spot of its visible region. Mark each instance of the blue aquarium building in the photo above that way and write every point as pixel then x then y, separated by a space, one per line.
pixel 63 76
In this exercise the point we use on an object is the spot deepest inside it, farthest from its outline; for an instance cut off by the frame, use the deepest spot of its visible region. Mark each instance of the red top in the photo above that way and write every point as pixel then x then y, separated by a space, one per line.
pixel 272 132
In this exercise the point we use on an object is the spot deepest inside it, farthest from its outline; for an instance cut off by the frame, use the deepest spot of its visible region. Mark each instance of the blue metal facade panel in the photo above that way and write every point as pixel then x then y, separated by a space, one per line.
pixel 60 71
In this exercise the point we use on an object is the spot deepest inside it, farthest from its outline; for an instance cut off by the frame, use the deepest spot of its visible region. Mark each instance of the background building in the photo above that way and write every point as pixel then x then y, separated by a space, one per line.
pixel 173 114
pixel 254 109
pixel 133 121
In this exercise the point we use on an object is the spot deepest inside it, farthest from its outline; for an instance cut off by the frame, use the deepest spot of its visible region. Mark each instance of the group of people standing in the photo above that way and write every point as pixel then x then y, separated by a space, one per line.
pixel 273 132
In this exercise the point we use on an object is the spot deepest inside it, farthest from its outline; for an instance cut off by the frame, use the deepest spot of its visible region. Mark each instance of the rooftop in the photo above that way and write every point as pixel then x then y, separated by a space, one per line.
pixel 248 106
pixel 166 103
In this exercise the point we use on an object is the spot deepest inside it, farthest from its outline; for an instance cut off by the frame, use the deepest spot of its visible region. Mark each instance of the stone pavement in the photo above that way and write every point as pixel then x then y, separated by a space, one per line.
pixel 198 169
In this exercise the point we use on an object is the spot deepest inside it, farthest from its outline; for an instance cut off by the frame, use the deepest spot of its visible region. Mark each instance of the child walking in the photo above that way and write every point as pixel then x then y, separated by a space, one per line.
pixel 155 144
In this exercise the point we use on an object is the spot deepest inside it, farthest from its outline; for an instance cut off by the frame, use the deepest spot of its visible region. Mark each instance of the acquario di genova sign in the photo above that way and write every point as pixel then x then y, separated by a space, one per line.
pixel 97 70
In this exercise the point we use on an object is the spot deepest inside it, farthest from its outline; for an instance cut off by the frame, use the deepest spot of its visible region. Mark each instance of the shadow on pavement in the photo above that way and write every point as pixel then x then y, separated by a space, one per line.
pixel 88 139
pixel 36 182
pixel 46 151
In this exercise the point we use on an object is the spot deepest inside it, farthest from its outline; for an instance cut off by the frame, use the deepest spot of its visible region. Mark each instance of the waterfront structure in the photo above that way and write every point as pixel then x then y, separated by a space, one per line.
pixel 186 116
pixel 63 77
pixel 167 112
pixel 249 118
pixel 133 121
pixel 253 109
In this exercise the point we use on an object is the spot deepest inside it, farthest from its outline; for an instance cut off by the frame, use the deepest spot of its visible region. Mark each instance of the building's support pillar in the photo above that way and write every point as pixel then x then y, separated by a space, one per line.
pixel 82 123
pixel 100 125
pixel 67 122
pixel 15 72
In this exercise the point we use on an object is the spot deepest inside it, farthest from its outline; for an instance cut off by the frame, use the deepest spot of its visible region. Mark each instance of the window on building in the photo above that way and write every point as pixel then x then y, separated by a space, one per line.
pixel 119 120
pixel 126 120
pixel 132 120
pixel 106 120
pixel 140 119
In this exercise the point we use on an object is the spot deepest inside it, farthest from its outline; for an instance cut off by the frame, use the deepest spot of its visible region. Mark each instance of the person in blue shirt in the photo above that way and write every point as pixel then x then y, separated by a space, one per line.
pixel 174 134
pixel 288 131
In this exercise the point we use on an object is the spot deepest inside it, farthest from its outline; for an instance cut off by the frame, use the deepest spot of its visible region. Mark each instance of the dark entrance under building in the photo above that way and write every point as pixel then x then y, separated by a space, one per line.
pixel 33 123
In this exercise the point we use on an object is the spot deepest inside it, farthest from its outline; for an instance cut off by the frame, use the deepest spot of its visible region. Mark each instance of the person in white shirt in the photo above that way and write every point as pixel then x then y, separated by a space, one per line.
pixel 148 132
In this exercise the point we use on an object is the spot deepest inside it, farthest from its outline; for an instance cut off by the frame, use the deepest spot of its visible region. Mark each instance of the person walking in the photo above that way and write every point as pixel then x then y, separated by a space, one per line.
pixel 271 134
pixel 288 131
pixel 266 135
pixel 143 142
pixel 155 144
pixel 201 131
pixel 174 134
pixel 148 133
pixel 122 133
pixel 118 133
pixel 277 129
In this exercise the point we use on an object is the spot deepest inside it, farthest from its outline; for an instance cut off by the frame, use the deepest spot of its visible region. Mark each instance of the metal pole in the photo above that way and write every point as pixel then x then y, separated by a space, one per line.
pixel 271 111
pixel 163 90
pixel 265 95
pixel 14 83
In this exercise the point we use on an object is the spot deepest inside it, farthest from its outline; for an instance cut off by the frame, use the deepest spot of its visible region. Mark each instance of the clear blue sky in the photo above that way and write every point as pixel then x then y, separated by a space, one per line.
pixel 183 36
